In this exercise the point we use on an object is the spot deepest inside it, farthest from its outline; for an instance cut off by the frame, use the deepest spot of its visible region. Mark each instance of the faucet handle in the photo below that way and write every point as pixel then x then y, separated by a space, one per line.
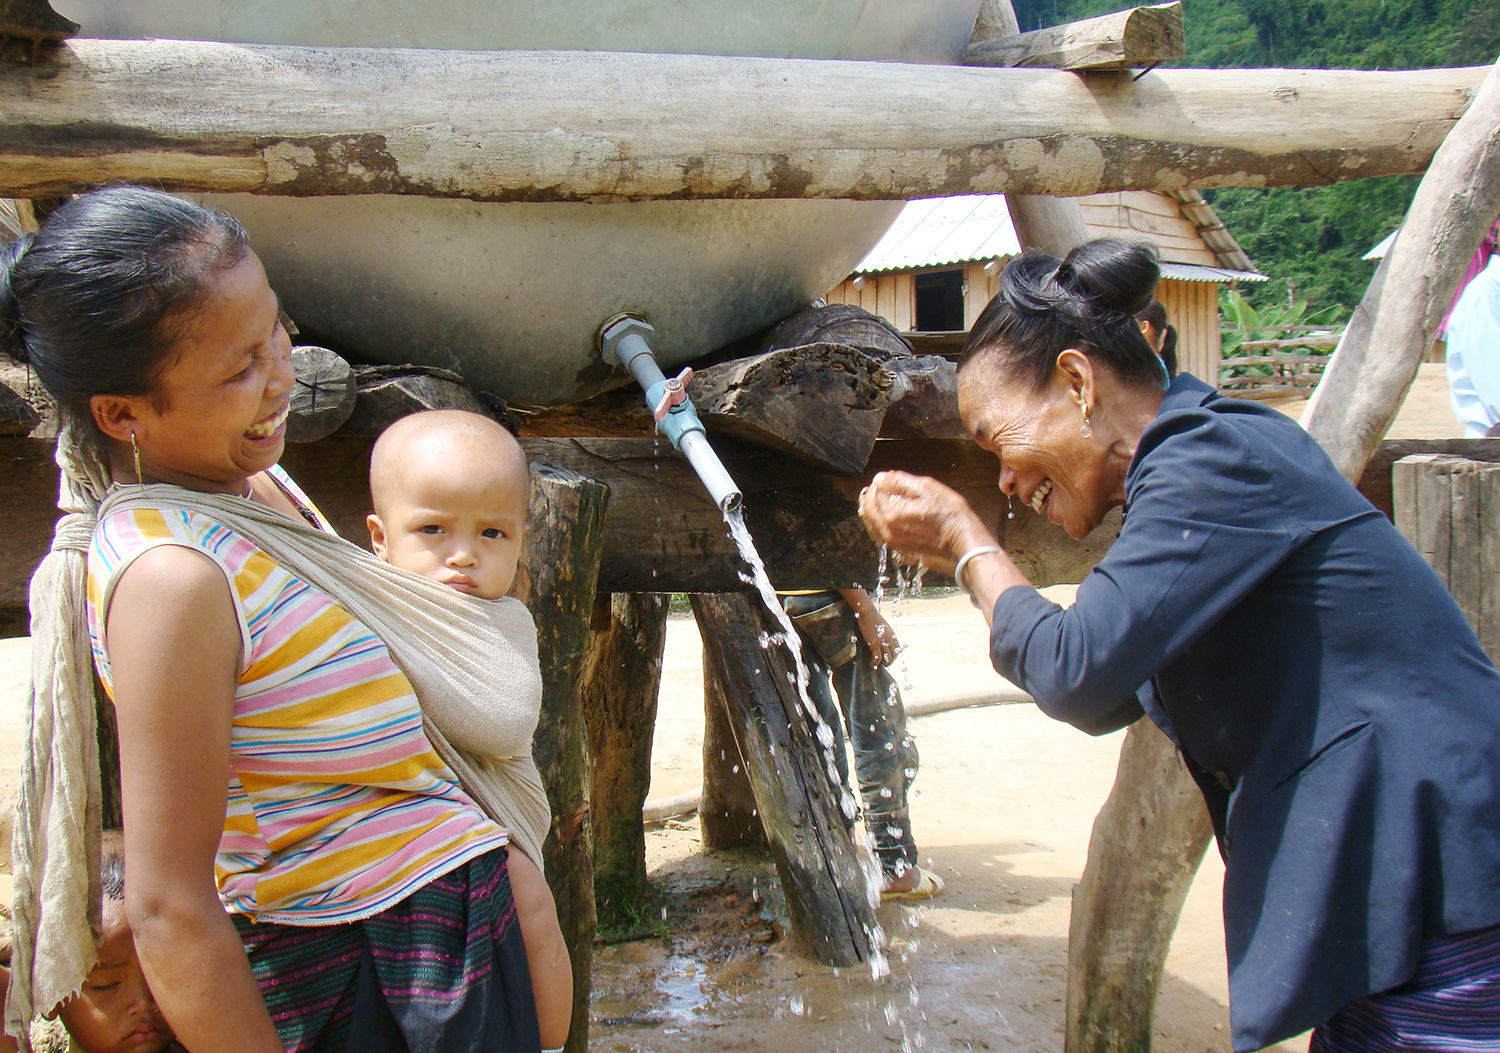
pixel 674 393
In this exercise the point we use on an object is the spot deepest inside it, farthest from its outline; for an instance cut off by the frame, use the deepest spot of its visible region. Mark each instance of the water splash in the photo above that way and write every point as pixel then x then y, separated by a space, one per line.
pixel 864 849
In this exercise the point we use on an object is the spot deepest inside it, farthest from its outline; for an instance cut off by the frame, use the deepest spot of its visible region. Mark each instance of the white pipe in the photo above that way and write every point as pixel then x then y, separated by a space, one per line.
pixel 701 456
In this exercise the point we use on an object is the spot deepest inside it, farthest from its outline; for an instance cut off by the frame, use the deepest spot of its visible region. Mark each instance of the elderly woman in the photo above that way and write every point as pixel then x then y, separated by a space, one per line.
pixel 1324 689
pixel 311 865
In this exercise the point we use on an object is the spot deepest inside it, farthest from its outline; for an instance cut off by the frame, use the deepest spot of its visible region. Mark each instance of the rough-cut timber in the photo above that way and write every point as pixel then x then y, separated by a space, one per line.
pixel 1375 482
pixel 388 393
pixel 1144 851
pixel 1392 329
pixel 838 323
pixel 564 542
pixel 323 394
pixel 727 813
pixel 924 400
pixel 596 126
pixel 1139 36
pixel 823 403
pixel 832 918
pixel 1449 509
pixel 620 676
pixel 33 21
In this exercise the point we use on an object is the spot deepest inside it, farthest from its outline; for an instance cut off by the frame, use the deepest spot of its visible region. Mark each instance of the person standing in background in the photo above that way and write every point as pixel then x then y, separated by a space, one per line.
pixel 1474 347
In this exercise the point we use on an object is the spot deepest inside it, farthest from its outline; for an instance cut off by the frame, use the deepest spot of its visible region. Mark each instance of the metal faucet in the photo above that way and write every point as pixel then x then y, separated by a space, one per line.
pixel 624 340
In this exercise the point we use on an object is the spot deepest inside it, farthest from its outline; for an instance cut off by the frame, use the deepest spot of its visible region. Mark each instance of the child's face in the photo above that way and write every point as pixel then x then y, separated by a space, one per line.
pixel 115 1013
pixel 461 526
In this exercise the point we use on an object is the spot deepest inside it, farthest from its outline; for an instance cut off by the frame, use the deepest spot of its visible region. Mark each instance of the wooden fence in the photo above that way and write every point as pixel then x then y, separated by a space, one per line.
pixel 1287 366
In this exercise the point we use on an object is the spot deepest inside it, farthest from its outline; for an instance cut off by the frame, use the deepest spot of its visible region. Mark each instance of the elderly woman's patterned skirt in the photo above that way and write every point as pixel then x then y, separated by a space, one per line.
pixel 443 970
pixel 1451 1005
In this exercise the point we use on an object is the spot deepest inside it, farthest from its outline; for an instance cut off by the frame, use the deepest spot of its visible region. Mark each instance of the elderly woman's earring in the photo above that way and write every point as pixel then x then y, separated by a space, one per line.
pixel 1086 431
pixel 136 450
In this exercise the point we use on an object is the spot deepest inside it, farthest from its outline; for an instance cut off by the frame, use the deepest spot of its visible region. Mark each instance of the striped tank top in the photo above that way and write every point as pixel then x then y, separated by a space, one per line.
pixel 338 805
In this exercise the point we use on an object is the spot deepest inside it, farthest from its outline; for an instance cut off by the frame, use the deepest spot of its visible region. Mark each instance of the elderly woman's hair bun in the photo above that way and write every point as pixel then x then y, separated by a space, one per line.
pixel 12 339
pixel 1086 301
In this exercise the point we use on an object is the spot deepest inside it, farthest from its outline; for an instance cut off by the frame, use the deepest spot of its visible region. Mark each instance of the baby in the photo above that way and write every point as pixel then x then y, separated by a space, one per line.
pixel 450 491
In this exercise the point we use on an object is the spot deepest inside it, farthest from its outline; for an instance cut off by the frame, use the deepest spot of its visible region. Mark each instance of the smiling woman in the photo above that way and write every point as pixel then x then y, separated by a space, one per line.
pixel 307 871
pixel 1326 692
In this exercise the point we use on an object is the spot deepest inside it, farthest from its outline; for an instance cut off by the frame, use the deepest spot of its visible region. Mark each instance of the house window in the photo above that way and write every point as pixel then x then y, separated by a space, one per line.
pixel 940 302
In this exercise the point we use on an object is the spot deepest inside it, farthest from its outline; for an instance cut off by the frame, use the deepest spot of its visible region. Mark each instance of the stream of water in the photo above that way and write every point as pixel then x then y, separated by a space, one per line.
pixel 827 739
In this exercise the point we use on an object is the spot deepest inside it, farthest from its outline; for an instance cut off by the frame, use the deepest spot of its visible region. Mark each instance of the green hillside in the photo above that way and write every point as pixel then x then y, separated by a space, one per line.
pixel 1315 236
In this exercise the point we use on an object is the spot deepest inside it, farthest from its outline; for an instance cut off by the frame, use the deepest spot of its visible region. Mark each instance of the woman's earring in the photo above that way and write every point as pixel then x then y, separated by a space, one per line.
pixel 1086 431
pixel 136 450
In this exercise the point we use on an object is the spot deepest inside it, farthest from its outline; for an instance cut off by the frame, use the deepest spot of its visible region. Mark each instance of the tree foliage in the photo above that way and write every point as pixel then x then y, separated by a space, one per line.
pixel 1315 236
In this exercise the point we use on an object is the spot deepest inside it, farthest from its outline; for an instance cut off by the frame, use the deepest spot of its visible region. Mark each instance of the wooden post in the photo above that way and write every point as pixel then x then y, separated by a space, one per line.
pixel 1392 329
pixel 621 676
pixel 727 814
pixel 832 918
pixel 564 542
pixel 1146 846
pixel 1449 509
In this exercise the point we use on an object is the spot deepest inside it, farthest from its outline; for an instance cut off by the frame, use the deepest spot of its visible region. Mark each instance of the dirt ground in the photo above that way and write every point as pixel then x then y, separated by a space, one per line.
pixel 1003 808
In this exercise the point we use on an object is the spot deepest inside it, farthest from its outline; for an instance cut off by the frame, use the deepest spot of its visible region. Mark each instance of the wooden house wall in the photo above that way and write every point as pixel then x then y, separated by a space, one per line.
pixel 1193 307
pixel 1140 215
pixel 892 296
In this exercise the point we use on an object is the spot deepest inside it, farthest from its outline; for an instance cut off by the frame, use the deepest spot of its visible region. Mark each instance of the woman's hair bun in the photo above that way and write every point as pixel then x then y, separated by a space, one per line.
pixel 1115 275
pixel 11 340
pixel 1087 301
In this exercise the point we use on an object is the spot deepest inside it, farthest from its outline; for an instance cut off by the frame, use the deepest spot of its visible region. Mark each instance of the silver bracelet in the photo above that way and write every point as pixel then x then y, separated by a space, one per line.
pixel 963 563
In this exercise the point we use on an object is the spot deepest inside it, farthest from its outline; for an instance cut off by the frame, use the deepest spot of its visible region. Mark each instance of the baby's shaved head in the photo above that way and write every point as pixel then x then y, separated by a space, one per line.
pixel 447 437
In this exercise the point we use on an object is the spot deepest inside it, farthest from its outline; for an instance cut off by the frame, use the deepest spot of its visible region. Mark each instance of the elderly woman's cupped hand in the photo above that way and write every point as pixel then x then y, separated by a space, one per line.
pixel 920 519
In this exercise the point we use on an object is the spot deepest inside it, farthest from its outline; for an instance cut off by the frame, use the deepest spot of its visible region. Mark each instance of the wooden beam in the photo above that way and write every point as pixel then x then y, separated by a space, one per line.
pixel 603 126
pixel 1393 328
pixel 832 918
pixel 1137 37
pixel 662 533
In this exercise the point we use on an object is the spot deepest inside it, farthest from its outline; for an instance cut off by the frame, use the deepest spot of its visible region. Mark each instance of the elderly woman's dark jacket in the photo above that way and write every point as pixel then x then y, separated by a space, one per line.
pixel 1332 700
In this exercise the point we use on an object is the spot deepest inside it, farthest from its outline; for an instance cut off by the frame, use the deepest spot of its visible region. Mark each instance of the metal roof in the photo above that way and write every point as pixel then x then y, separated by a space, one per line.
pixel 939 232
pixel 1194 272
pixel 932 232
pixel 1379 251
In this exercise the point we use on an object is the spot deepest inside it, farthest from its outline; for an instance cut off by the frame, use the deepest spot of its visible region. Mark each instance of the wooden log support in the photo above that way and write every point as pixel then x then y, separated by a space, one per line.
pixel 1146 846
pixel 823 403
pixel 620 679
pixel 1449 509
pixel 34 22
pixel 925 400
pixel 1393 327
pixel 603 126
pixel 662 534
pixel 565 540
pixel 831 915
pixel 727 812
pixel 322 396
pixel 388 393
pixel 1134 38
